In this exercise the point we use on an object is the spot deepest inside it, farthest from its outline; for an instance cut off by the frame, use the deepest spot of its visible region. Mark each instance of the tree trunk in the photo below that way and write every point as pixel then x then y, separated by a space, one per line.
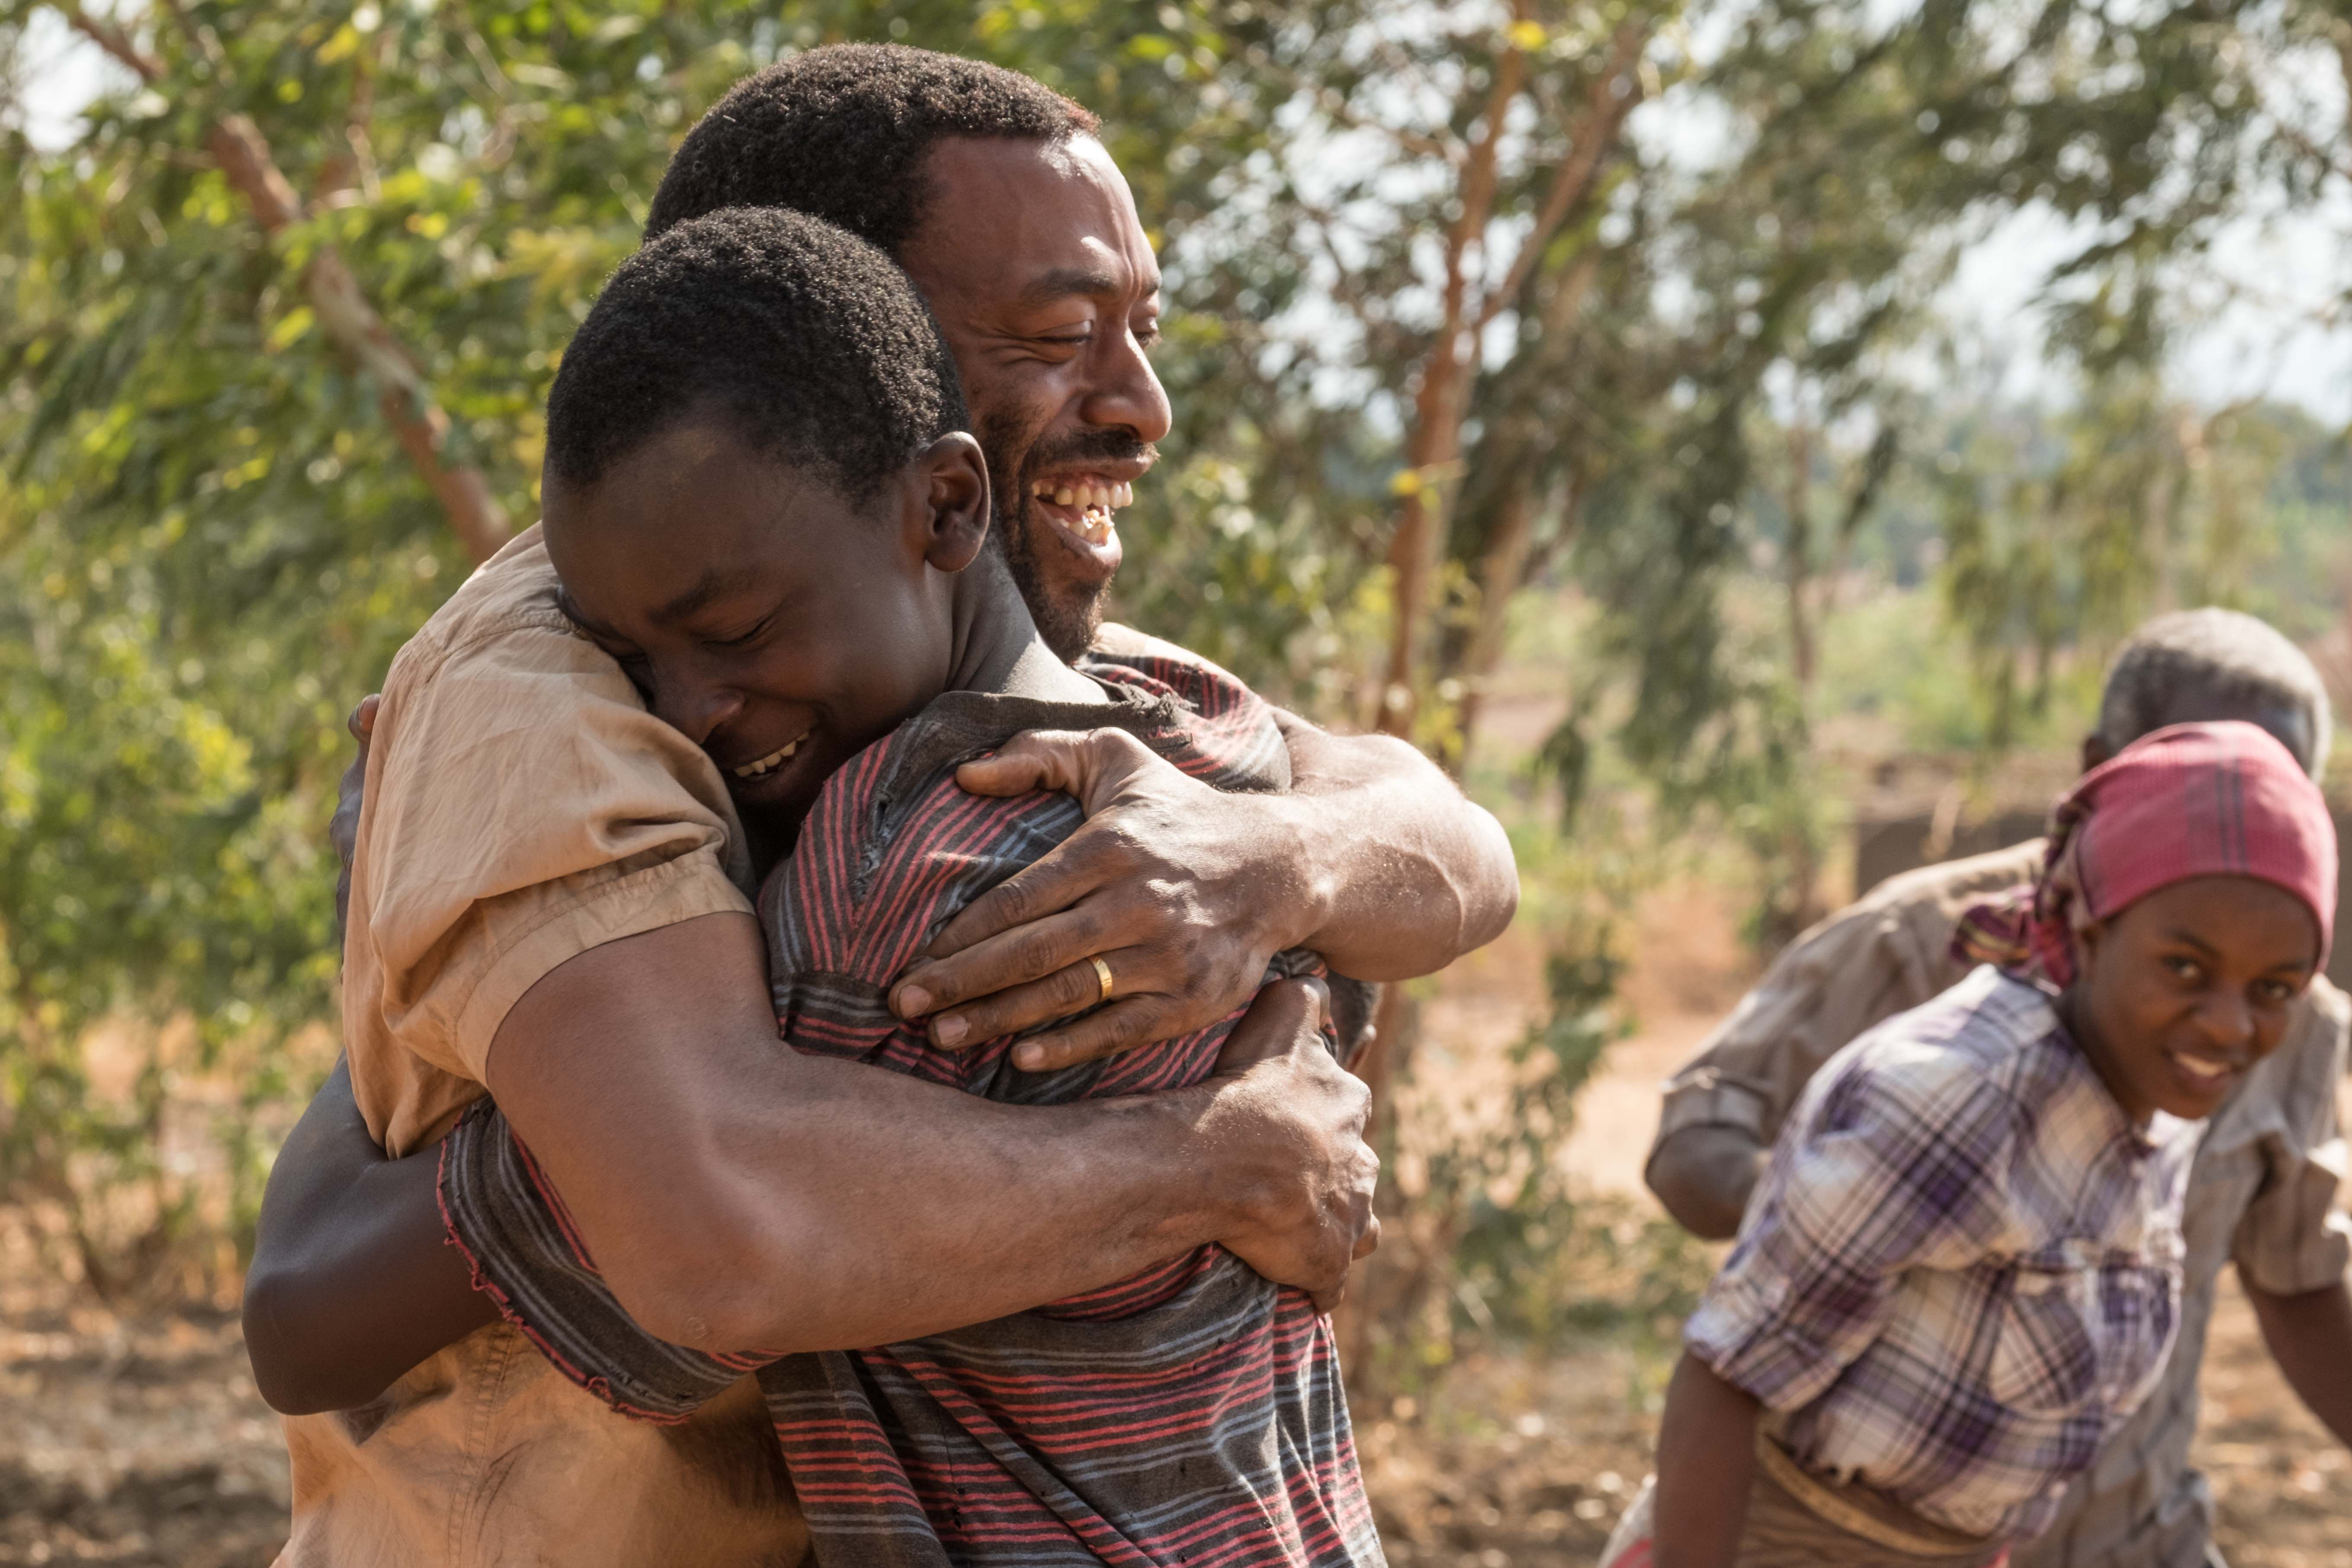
pixel 1798 565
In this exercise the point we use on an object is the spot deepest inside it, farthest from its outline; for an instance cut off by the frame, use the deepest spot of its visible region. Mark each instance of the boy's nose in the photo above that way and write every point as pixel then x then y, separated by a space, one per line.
pixel 2227 1020
pixel 697 712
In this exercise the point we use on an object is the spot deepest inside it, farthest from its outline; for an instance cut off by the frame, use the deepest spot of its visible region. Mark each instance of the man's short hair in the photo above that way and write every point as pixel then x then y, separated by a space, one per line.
pixel 810 343
pixel 841 132
pixel 2215 658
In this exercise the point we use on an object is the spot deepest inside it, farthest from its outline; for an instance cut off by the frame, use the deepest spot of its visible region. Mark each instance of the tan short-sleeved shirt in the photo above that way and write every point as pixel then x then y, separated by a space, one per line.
pixel 522 807
pixel 2261 1193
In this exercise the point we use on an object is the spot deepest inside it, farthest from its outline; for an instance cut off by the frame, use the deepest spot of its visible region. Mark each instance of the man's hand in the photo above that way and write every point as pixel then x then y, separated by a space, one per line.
pixel 1183 891
pixel 1295 1120
pixel 343 828
pixel 1373 859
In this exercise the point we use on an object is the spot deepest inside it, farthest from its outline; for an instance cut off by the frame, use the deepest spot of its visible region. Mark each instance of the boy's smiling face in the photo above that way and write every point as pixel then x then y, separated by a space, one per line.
pixel 2184 991
pixel 778 624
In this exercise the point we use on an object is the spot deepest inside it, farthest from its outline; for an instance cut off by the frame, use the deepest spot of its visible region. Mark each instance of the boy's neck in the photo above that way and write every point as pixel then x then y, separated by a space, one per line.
pixel 997 648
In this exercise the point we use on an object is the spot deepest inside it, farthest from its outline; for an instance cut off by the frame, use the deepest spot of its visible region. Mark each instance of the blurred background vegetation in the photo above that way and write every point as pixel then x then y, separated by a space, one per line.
pixel 1600 360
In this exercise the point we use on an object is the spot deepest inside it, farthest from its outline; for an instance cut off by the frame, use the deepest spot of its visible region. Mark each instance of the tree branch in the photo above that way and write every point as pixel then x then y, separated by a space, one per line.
pixel 344 314
pixel 1604 118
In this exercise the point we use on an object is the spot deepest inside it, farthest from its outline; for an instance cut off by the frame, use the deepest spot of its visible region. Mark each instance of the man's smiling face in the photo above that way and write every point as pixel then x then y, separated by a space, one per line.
pixel 1032 257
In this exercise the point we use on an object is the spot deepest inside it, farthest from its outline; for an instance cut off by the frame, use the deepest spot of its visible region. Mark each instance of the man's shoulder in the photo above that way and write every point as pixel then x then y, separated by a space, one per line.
pixel 1228 734
pixel 1942 891
pixel 1124 653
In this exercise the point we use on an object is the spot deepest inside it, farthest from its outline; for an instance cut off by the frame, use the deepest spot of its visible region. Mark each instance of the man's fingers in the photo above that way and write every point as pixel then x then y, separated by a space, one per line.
pixel 1046 887
pixel 1121 1026
pixel 1090 765
pixel 1282 1011
pixel 1073 988
pixel 993 963
pixel 361 723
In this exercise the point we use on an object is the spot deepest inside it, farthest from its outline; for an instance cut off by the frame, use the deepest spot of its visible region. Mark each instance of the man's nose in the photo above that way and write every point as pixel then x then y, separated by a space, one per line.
pixel 695 709
pixel 1125 393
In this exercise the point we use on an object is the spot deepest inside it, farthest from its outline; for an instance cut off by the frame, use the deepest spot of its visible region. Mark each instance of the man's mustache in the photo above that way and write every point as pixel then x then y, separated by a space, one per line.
pixel 1090 446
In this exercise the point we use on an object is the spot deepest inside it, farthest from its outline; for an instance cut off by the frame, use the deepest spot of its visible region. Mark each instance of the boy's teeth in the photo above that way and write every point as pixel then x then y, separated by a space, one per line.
pixel 754 769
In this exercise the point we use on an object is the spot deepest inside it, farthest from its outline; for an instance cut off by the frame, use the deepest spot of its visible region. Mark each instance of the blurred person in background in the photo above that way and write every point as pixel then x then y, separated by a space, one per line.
pixel 2263 1188
pixel 1961 1271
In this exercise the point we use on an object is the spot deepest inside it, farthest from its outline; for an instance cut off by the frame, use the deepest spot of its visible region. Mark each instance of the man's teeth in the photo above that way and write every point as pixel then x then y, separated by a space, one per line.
pixel 1095 503
pixel 753 769
pixel 1085 497
pixel 1095 507
pixel 2209 1072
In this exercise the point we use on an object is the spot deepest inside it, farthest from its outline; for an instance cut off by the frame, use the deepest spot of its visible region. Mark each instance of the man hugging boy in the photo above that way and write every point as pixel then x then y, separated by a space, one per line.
pixel 761 499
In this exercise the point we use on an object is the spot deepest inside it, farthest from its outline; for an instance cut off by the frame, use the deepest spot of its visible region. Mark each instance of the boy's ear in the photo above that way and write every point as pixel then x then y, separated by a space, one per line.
pixel 951 480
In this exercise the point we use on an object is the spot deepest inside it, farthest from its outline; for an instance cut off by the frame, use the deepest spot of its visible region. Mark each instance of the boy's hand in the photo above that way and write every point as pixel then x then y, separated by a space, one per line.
pixel 1182 892
pixel 343 828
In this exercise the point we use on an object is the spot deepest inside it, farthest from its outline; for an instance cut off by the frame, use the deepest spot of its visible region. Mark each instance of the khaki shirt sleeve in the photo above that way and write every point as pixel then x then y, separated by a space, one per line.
pixel 2292 1237
pixel 1884 955
pixel 523 806
pixel 1837 979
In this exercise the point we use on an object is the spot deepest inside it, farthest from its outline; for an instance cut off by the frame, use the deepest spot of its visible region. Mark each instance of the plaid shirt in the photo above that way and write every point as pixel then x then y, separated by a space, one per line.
pixel 1962 1270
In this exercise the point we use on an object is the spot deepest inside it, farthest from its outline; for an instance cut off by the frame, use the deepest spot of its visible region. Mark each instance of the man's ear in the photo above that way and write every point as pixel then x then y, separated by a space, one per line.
pixel 2095 750
pixel 949 503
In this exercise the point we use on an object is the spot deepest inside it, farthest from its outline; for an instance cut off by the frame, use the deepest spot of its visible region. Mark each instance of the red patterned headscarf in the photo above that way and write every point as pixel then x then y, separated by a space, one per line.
pixel 2190 800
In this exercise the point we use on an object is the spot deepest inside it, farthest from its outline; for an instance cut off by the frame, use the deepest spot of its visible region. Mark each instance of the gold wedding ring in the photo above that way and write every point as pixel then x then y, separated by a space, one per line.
pixel 1102 973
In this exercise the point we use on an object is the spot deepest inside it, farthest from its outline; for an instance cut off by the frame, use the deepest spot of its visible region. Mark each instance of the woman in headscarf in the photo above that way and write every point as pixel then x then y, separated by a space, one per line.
pixel 1962 1268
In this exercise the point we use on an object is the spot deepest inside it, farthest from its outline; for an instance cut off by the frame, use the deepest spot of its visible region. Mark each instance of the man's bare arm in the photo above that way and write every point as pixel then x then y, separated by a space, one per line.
pixel 353 1281
pixel 1374 859
pixel 739 1194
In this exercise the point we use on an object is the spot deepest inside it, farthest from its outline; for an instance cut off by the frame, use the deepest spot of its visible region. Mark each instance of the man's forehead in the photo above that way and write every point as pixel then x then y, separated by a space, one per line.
pixel 1025 222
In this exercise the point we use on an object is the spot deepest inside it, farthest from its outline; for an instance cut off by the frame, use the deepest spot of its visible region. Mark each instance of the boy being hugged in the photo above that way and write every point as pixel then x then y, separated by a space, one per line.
pixel 761 501
pixel 1961 1271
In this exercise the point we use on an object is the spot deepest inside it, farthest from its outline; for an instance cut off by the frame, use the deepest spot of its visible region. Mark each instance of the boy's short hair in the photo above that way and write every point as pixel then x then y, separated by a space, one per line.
pixel 841 132
pixel 812 343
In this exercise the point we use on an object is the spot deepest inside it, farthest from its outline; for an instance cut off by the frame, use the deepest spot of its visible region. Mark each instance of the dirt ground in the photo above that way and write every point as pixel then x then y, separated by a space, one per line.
pixel 143 1444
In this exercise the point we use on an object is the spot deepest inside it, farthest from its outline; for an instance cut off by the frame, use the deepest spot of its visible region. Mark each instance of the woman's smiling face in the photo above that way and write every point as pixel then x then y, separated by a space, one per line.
pixel 2183 992
pixel 758 609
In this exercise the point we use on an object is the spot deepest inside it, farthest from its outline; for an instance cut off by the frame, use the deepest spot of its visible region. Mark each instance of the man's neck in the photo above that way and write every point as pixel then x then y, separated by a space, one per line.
pixel 997 648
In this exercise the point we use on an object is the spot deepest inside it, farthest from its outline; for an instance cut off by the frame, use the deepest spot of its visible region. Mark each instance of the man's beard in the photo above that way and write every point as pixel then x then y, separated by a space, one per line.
pixel 1068 617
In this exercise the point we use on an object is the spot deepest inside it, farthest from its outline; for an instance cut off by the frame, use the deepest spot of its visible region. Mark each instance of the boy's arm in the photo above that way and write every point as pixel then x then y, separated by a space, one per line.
pixel 1707 1461
pixel 2310 1337
pixel 1373 859
pixel 353 1281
